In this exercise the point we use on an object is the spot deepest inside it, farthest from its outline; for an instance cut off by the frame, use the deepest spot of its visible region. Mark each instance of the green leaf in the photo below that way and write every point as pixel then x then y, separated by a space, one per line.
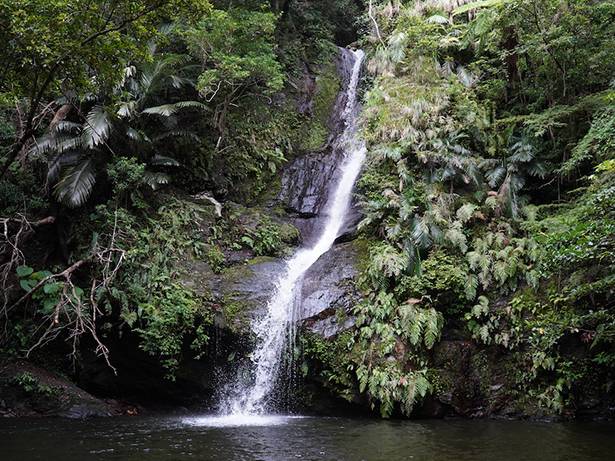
pixel 40 275
pixel 166 110
pixel 161 160
pixel 97 127
pixel 155 179
pixel 48 305
pixel 52 288
pixel 24 271
pixel 476 5
pixel 27 285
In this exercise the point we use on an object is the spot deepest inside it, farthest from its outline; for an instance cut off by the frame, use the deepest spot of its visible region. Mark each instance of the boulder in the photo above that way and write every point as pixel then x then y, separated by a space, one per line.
pixel 329 291
pixel 29 390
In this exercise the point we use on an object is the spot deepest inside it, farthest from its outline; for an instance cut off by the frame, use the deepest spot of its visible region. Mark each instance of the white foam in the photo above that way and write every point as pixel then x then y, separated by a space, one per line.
pixel 240 420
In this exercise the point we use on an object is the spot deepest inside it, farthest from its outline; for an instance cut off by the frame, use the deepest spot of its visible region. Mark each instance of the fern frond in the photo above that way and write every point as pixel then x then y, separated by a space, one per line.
pixel 433 322
pixel 167 110
pixel 466 212
pixel 471 287
pixel 455 236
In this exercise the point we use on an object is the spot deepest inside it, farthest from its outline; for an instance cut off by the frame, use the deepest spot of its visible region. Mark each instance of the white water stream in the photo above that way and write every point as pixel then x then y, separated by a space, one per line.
pixel 273 329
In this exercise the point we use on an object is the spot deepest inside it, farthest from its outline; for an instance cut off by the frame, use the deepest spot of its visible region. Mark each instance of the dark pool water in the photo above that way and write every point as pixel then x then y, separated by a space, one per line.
pixel 279 438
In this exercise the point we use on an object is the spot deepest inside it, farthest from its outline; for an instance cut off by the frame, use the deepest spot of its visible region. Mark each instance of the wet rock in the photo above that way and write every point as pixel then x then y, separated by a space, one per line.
pixel 330 282
pixel 349 229
pixel 307 89
pixel 249 286
pixel 306 181
pixel 82 411
pixel 329 323
pixel 329 292
pixel 197 275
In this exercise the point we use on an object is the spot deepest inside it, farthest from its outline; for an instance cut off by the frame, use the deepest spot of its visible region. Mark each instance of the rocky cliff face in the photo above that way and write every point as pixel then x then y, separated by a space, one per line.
pixel 305 186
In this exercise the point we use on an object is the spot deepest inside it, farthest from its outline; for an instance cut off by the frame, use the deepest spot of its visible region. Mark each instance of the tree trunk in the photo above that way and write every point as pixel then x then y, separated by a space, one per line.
pixel 15 150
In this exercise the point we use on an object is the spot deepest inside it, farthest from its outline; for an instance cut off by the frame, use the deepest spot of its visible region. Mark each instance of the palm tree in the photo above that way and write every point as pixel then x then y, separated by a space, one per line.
pixel 509 173
pixel 137 124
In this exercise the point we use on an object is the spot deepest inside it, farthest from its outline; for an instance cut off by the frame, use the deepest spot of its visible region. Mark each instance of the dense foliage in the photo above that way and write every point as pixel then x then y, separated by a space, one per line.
pixel 111 114
pixel 489 191
pixel 488 194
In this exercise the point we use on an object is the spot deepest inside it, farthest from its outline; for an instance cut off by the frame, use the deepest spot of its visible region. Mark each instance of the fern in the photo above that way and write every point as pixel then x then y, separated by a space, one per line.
pixel 155 179
pixel 466 212
pixel 474 5
pixel 433 322
pixel 386 261
pixel 471 287
pixel 455 236
pixel 421 325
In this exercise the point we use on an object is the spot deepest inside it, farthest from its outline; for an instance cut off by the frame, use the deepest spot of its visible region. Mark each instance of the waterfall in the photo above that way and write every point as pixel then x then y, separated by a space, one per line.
pixel 277 325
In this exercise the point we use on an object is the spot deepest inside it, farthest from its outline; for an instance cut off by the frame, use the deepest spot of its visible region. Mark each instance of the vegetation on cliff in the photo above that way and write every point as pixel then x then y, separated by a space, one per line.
pixel 123 127
pixel 488 195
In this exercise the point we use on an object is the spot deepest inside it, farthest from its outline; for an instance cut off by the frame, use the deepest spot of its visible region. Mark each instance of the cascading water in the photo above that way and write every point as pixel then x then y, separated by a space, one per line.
pixel 277 326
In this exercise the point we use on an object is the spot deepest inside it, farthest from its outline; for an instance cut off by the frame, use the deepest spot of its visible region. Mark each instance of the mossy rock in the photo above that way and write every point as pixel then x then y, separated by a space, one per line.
pixel 315 131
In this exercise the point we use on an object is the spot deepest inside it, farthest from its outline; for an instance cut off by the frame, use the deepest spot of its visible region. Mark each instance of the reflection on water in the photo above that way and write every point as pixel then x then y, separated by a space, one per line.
pixel 289 438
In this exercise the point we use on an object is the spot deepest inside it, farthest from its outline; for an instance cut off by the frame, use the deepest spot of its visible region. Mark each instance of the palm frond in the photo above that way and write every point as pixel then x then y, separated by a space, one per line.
pixel 155 180
pixel 166 110
pixel 177 134
pixel 56 143
pixel 127 109
pixel 65 126
pixel 97 127
pixel 161 160
pixel 136 135
pixel 180 82
pixel 496 175
pixel 75 187
pixel 59 162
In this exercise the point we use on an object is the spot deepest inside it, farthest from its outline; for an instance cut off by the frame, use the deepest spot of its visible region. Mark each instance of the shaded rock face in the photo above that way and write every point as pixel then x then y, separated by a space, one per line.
pixel 307 181
pixel 28 390
pixel 329 292
pixel 477 381
pixel 250 285
pixel 465 381
pixel 141 379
